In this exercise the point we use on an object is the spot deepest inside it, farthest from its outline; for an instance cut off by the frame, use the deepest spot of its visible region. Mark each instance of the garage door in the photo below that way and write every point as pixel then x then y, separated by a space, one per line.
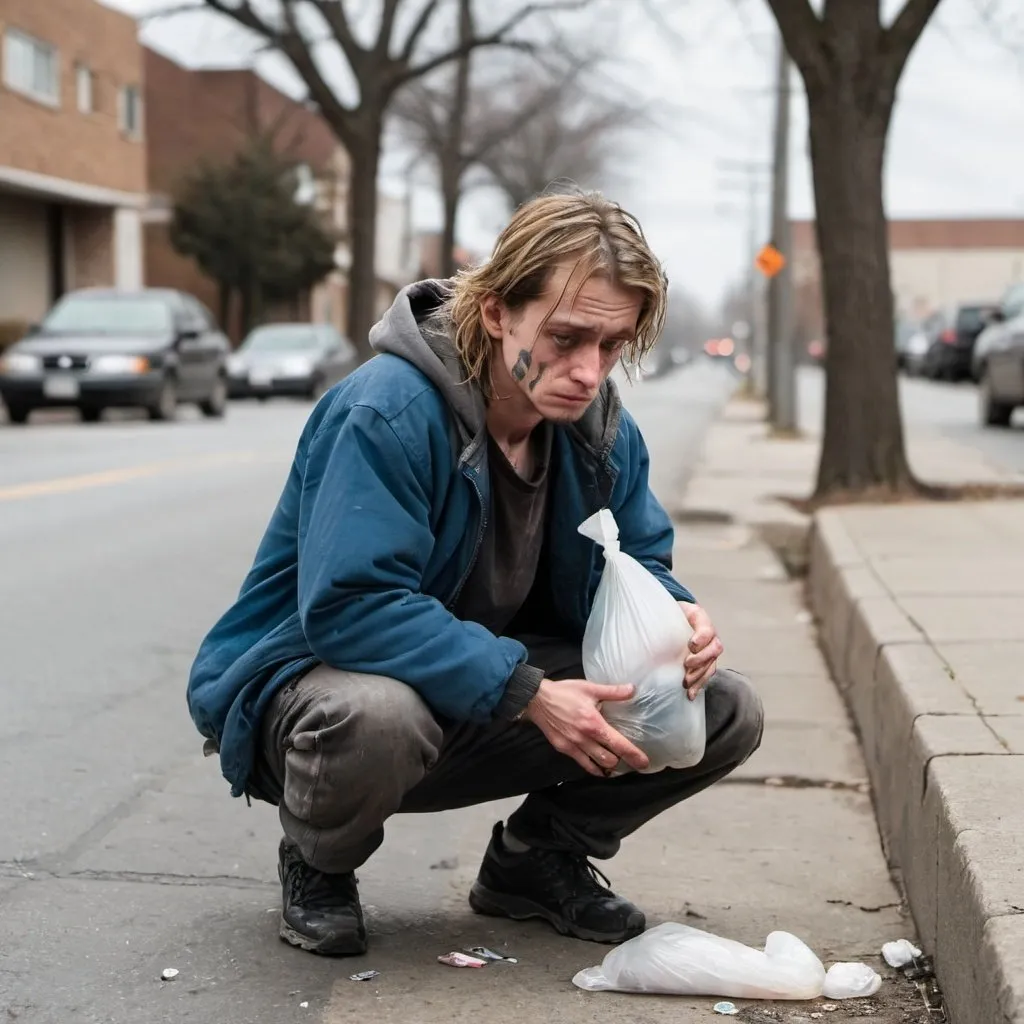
pixel 25 278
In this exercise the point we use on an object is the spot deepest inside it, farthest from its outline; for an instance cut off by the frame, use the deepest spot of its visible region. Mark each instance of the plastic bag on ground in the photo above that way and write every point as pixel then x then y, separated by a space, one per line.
pixel 637 633
pixel 675 959
pixel 851 981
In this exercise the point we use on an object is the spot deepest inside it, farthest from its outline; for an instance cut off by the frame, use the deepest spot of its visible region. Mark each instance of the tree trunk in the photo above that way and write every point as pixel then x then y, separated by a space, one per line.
pixel 362 220
pixel 863 445
pixel 451 159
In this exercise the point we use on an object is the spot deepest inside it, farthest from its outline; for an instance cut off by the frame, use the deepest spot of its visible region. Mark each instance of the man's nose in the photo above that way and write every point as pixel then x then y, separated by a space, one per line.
pixel 586 368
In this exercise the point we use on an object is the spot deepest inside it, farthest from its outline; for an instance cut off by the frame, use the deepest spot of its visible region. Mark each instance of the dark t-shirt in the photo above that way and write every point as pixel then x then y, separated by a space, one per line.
pixel 506 565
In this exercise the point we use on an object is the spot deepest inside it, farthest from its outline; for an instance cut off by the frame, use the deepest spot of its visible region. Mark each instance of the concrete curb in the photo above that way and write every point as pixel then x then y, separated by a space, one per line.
pixel 947 793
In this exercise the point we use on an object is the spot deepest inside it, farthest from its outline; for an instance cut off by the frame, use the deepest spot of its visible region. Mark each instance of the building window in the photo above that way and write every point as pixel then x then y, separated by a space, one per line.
pixel 83 85
pixel 130 102
pixel 31 67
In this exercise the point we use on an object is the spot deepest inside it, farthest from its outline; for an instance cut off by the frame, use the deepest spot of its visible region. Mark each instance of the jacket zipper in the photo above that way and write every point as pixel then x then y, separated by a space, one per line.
pixel 476 547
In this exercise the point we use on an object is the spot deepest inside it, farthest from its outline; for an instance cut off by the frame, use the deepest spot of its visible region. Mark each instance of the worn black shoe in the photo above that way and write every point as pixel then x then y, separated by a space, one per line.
pixel 560 887
pixel 321 912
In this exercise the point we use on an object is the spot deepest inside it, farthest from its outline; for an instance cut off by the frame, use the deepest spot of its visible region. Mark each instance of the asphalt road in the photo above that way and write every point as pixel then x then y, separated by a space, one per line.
pixel 121 852
pixel 949 409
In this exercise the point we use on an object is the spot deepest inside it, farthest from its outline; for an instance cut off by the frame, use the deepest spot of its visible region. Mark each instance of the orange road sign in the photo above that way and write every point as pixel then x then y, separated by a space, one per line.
pixel 769 260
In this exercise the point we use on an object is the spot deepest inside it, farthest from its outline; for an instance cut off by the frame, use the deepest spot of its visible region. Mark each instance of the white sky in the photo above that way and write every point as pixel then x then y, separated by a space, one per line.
pixel 956 147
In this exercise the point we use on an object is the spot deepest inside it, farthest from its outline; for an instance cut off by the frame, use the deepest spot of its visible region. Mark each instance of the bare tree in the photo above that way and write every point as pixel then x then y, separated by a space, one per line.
pixel 851 64
pixel 571 134
pixel 299 29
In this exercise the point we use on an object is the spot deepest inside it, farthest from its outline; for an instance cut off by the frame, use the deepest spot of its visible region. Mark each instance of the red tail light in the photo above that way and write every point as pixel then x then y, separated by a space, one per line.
pixel 948 337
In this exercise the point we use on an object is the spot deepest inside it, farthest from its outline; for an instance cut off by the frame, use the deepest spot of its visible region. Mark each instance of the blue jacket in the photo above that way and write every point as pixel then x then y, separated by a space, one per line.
pixel 377 529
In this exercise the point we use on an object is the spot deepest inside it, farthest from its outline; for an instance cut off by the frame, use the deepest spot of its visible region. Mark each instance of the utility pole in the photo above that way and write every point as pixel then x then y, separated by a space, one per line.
pixel 782 371
pixel 755 341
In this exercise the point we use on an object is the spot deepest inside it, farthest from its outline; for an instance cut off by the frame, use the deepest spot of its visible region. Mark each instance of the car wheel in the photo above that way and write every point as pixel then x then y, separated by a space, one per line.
pixel 90 414
pixel 18 414
pixel 216 404
pixel 166 405
pixel 993 412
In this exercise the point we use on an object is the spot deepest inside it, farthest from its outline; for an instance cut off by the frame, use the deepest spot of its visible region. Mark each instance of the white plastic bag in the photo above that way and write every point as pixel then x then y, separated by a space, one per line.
pixel 637 634
pixel 675 959
pixel 851 981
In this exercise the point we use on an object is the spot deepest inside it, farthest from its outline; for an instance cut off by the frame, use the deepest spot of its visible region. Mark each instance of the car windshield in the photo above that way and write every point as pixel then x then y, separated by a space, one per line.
pixel 973 318
pixel 109 315
pixel 282 339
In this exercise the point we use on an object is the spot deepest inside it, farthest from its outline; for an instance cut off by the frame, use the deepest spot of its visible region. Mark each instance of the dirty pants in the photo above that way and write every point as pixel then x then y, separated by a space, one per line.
pixel 340 752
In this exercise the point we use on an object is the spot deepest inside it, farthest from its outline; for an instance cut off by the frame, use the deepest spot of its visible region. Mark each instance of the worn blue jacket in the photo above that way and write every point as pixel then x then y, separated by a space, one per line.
pixel 377 529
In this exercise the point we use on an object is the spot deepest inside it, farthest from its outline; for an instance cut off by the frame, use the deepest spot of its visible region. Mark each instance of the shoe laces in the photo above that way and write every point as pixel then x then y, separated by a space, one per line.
pixel 314 889
pixel 585 876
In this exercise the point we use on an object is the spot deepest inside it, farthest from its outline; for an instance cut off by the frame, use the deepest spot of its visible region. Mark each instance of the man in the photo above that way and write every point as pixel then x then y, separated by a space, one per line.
pixel 408 638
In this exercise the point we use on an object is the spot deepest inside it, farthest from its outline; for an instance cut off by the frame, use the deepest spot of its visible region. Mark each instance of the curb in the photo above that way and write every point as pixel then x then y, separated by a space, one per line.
pixel 947 794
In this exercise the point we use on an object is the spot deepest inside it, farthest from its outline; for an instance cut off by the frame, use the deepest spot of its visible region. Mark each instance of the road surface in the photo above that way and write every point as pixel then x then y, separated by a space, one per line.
pixel 121 852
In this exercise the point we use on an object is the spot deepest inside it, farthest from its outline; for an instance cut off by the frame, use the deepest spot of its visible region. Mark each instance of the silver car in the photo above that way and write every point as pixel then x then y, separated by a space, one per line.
pixel 301 360
pixel 998 361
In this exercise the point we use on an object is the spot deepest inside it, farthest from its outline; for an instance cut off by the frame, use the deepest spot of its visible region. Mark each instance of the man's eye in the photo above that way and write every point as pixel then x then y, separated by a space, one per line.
pixel 612 346
pixel 563 340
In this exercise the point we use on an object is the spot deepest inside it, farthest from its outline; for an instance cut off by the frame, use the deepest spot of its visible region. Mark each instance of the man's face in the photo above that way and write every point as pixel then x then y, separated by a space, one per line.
pixel 552 361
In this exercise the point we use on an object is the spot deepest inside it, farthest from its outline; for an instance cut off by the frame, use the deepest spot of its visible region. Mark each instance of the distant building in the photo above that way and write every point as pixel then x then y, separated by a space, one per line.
pixel 933 263
pixel 429 246
pixel 72 156
pixel 213 114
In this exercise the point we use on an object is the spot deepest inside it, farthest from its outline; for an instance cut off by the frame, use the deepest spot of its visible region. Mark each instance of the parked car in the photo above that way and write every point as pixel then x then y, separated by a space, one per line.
pixel 998 362
pixel 100 348
pixel 301 360
pixel 952 333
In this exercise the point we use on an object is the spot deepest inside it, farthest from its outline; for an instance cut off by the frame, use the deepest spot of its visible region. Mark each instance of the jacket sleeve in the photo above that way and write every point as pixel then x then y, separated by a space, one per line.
pixel 364 539
pixel 645 530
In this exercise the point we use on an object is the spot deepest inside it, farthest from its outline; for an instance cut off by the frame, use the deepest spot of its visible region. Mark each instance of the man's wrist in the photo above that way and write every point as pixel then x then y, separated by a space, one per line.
pixel 520 689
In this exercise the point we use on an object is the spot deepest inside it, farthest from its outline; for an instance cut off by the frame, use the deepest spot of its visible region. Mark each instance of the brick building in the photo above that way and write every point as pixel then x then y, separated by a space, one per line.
pixel 72 156
pixel 212 114
pixel 933 263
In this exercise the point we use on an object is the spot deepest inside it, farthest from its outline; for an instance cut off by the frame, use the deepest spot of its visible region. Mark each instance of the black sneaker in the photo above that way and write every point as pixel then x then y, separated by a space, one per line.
pixel 321 912
pixel 556 885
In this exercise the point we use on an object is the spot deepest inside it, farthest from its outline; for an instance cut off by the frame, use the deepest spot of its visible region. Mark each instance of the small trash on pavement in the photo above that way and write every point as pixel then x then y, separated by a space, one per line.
pixel 169 974
pixel 304 1006
pixel 488 954
pixel 726 1009
pixel 363 976
pixel 850 981
pixel 445 864
pixel 454 959
pixel 899 953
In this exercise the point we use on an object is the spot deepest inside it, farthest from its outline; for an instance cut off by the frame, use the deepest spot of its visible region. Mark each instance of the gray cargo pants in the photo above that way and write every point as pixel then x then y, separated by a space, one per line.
pixel 341 752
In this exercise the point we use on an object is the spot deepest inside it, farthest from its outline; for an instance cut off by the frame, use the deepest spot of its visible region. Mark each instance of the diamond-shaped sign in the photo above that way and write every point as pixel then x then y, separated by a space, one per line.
pixel 769 260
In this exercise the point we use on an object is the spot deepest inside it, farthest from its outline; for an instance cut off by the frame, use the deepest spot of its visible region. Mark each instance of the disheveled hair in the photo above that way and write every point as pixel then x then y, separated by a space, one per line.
pixel 584 227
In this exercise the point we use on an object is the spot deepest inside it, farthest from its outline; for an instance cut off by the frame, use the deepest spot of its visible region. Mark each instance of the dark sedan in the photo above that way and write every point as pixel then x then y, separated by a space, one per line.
pixel 101 348
pixel 301 360
pixel 951 336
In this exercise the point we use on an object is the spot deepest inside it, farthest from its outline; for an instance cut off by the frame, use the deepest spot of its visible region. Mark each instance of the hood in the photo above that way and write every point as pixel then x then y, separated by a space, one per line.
pixel 91 345
pixel 406 330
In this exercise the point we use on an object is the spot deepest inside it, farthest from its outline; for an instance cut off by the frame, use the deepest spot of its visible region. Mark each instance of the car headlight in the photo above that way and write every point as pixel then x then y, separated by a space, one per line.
pixel 119 364
pixel 295 366
pixel 20 362
pixel 236 366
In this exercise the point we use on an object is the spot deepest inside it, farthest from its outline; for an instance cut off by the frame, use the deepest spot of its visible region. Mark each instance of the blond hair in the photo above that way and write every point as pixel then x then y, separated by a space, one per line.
pixel 595 232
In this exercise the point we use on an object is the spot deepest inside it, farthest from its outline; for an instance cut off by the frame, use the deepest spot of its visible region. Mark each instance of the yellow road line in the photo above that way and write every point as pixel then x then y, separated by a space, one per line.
pixel 105 478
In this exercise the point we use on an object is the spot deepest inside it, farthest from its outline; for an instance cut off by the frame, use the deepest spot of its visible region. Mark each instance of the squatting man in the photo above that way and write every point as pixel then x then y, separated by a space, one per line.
pixel 408 638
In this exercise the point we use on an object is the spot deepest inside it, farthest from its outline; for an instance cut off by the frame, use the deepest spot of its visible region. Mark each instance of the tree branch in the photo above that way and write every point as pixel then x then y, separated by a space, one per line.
pixel 801 33
pixel 899 38
pixel 334 15
pixel 417 30
pixel 499 37
pixel 387 25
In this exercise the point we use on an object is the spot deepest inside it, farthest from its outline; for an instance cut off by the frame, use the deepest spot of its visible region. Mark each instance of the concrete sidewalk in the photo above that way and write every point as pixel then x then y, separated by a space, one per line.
pixel 921 615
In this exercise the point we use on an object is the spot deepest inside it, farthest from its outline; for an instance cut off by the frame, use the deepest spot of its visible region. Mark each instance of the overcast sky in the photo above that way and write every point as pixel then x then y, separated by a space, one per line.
pixel 956 147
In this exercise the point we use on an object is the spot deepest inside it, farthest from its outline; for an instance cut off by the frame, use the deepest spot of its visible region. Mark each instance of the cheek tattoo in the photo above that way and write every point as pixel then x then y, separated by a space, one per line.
pixel 522 365
pixel 541 367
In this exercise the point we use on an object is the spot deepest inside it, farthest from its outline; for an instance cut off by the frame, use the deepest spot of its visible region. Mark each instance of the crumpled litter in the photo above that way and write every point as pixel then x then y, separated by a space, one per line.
pixel 899 953
pixel 725 1009
pixel 850 981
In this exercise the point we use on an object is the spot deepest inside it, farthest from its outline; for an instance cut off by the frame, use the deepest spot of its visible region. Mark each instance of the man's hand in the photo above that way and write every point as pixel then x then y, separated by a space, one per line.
pixel 705 649
pixel 568 713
